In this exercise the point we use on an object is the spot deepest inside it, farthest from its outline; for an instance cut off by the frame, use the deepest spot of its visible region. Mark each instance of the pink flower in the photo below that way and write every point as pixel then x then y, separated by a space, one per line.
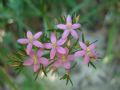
pixel 69 28
pixel 88 52
pixel 36 59
pixel 31 40
pixel 64 60
pixel 55 46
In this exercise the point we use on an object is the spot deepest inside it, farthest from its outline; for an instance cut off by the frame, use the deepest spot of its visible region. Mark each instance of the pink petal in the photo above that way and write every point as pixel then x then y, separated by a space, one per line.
pixel 28 62
pixel 22 41
pixel 38 44
pixel 61 26
pixel 69 19
pixel 52 53
pixel 29 34
pixel 67 50
pixel 37 35
pixel 71 57
pixel 86 59
pixel 53 38
pixel 83 46
pixel 48 45
pixel 57 64
pixel 92 46
pixel 36 67
pixel 59 55
pixel 65 34
pixel 44 61
pixel 29 48
pixel 74 34
pixel 75 26
pixel 40 52
pixel 32 53
pixel 61 50
pixel 94 54
pixel 79 53
pixel 61 41
pixel 67 65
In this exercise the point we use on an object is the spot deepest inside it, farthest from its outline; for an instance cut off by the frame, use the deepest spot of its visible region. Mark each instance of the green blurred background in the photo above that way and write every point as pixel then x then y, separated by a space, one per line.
pixel 100 20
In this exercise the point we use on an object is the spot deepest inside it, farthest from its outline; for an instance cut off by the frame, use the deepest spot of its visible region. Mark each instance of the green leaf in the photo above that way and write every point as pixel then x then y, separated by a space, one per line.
pixel 111 38
pixel 67 78
pixel 80 6
pixel 83 38
pixel 91 63
pixel 44 70
pixel 36 74
pixel 63 77
pixel 73 66
pixel 6 78
pixel 94 42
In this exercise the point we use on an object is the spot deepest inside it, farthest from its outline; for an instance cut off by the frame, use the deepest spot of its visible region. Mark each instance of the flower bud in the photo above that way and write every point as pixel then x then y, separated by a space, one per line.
pixel 77 18
pixel 68 43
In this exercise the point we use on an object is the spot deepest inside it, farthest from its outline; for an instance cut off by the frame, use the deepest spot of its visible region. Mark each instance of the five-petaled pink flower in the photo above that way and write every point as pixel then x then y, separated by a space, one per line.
pixel 87 52
pixel 64 60
pixel 36 59
pixel 55 46
pixel 69 28
pixel 31 40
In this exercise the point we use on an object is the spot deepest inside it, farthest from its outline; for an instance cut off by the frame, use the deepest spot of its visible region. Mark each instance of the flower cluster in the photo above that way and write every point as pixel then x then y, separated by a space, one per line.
pixel 60 50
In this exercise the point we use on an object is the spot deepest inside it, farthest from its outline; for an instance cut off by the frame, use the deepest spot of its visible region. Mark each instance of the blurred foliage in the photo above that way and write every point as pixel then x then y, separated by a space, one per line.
pixel 17 16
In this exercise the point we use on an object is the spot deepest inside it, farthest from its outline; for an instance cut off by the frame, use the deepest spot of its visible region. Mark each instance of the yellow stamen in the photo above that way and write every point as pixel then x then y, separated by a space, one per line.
pixel 54 45
pixel 63 58
pixel 30 37
pixel 69 25
pixel 35 59
pixel 88 49
pixel 90 53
